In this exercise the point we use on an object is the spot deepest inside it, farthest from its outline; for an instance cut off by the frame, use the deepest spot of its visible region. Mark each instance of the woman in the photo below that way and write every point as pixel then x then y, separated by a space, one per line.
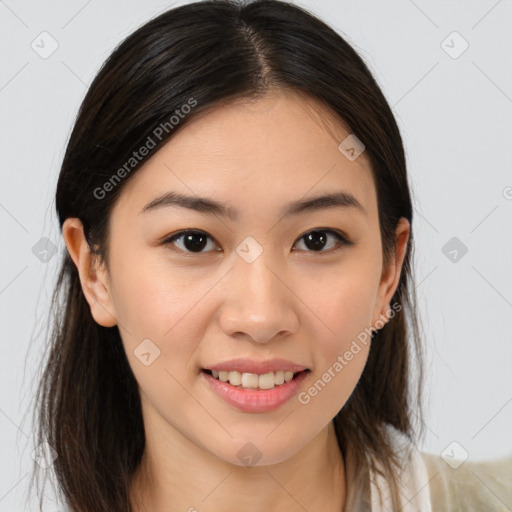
pixel 268 365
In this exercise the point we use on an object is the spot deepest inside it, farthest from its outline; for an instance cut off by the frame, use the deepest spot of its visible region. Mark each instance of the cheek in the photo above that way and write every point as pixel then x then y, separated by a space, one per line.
pixel 341 354
pixel 153 303
pixel 343 301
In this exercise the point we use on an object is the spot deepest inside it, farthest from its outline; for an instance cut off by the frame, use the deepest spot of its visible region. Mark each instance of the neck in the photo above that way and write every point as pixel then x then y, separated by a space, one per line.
pixel 186 477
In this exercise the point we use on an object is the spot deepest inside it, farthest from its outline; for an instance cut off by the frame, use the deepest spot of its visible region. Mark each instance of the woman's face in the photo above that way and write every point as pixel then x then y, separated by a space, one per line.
pixel 263 283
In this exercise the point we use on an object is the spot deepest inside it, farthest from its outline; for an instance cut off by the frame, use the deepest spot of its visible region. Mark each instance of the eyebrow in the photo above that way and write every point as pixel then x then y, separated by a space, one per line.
pixel 339 199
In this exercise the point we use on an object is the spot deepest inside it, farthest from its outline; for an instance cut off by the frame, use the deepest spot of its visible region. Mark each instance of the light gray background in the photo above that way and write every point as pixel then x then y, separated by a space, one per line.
pixel 455 118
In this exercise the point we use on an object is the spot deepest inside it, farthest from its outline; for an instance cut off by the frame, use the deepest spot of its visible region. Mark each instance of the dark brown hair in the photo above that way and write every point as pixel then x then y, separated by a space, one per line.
pixel 88 406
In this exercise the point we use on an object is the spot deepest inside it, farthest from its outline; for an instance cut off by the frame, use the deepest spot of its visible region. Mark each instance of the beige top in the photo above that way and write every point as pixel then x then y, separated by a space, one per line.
pixel 430 484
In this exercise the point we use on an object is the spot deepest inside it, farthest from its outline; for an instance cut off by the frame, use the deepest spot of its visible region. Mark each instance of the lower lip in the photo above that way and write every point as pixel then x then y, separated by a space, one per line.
pixel 248 400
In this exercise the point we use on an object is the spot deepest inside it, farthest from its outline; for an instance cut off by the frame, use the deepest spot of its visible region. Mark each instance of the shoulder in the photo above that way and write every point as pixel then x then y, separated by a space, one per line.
pixel 469 485
pixel 454 485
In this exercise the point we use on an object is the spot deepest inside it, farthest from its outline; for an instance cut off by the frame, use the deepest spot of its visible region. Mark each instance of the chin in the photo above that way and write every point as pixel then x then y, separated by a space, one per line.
pixel 258 451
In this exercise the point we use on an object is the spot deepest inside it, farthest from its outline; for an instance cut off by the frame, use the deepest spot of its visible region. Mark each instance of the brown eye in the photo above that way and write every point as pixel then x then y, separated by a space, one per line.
pixel 317 240
pixel 195 241
pixel 190 241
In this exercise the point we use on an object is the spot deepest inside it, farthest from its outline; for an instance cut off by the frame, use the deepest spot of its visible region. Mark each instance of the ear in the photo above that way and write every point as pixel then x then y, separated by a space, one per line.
pixel 391 275
pixel 93 276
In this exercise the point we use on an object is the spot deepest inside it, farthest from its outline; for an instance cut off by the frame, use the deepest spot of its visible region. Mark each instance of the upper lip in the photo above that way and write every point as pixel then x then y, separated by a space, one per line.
pixel 251 366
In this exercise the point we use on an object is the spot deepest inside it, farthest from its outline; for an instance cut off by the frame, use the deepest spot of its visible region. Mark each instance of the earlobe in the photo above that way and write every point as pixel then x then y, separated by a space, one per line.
pixel 93 275
pixel 391 274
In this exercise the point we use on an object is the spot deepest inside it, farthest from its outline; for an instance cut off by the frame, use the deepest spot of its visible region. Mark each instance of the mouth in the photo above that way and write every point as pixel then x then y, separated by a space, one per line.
pixel 254 392
pixel 255 381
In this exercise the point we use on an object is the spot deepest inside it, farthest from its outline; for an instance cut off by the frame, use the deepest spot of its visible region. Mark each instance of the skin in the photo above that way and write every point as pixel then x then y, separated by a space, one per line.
pixel 292 302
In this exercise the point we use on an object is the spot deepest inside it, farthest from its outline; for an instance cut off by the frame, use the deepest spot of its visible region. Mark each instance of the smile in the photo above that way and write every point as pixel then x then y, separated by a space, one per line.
pixel 252 392
pixel 253 380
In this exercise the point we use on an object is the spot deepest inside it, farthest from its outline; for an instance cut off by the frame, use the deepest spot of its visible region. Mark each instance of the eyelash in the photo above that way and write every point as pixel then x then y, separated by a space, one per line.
pixel 343 241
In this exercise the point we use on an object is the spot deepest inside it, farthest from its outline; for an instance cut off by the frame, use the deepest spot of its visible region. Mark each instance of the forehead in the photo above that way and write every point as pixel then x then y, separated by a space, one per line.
pixel 277 148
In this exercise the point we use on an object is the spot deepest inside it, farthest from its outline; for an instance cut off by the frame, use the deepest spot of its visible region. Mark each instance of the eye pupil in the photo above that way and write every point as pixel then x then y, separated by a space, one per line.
pixel 315 240
pixel 191 242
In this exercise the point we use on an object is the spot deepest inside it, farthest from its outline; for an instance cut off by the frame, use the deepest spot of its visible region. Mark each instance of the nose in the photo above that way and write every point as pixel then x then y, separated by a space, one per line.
pixel 259 303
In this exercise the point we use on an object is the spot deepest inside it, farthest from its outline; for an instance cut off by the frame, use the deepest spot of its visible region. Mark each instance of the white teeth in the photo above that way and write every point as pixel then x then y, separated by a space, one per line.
pixel 266 381
pixel 288 376
pixel 279 378
pixel 254 380
pixel 235 378
pixel 248 380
